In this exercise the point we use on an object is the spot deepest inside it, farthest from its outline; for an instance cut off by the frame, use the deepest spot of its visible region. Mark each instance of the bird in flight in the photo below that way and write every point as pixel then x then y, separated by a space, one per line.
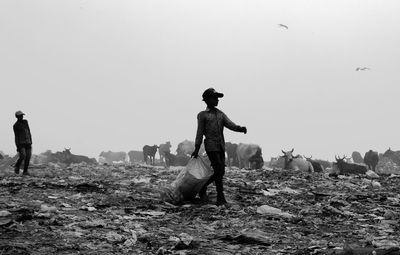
pixel 283 25
pixel 362 68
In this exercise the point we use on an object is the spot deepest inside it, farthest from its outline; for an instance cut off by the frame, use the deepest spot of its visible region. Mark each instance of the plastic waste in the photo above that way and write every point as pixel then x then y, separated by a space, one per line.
pixel 371 174
pixel 114 237
pixel 45 208
pixel 188 182
pixel 266 209
pixel 4 213
pixel 249 237
pixel 376 184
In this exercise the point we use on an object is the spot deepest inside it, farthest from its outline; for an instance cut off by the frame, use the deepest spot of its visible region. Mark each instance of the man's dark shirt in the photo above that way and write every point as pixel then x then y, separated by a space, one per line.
pixel 211 123
pixel 22 133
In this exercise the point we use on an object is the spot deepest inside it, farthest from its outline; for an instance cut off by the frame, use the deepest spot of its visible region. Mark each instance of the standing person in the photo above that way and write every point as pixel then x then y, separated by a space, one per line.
pixel 23 141
pixel 211 123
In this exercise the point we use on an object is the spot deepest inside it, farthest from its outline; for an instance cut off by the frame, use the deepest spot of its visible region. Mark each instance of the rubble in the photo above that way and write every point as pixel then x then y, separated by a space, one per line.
pixel 116 209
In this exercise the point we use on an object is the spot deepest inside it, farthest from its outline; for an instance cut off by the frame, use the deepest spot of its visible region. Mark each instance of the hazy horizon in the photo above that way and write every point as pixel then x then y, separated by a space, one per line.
pixel 98 75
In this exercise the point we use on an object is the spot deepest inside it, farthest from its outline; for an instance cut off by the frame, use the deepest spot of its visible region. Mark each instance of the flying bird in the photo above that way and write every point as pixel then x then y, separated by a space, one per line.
pixel 362 68
pixel 283 25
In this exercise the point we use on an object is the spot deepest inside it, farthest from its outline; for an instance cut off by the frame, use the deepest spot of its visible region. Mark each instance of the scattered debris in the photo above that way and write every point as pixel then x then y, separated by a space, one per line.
pixel 116 209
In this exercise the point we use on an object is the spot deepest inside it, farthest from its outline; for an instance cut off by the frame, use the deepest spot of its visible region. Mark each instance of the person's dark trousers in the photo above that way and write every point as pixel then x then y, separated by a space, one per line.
pixel 217 159
pixel 25 153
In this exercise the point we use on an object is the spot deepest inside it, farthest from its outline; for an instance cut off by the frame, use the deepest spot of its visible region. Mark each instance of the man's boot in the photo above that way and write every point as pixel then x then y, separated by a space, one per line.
pixel 221 199
pixel 25 172
pixel 16 170
pixel 203 195
pixel 220 192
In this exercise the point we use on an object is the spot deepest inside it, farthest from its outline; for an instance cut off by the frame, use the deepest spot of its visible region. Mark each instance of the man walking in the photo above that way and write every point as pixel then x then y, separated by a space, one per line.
pixel 23 141
pixel 211 123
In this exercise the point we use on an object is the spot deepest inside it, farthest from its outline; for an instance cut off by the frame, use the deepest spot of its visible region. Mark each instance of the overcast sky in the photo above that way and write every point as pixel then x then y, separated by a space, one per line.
pixel 99 75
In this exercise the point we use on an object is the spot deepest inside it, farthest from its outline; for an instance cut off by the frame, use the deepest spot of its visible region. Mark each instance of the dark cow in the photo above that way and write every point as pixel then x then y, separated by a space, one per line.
pixel 232 158
pixel 70 158
pixel 296 163
pixel 349 168
pixel 136 156
pixel 150 152
pixel 316 165
pixel 187 147
pixel 50 157
pixel 176 160
pixel 357 158
pixel 256 161
pixel 65 157
pixel 109 157
pixel 245 152
pixel 324 163
pixel 163 148
pixel 371 159
pixel 393 155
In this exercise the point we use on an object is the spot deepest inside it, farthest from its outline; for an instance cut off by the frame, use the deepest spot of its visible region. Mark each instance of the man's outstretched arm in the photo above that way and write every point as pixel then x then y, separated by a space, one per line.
pixel 232 126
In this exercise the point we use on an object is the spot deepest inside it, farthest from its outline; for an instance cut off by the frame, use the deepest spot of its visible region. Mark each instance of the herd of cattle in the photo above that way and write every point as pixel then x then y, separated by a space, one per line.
pixel 356 164
pixel 239 155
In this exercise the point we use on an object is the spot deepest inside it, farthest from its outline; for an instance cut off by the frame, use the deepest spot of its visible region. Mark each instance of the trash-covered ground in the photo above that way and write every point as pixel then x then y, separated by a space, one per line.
pixel 117 210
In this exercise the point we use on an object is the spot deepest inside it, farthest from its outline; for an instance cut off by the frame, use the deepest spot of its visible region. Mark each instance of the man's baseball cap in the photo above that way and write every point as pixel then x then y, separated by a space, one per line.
pixel 210 92
pixel 17 113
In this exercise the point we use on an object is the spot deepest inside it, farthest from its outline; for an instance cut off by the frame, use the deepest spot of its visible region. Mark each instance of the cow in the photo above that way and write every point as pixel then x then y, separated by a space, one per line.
pixel 256 161
pixel 150 152
pixel 349 168
pixel 109 157
pixel 371 159
pixel 232 158
pixel 393 155
pixel 357 158
pixel 277 162
pixel 163 148
pixel 135 156
pixel 324 163
pixel 176 160
pixel 70 158
pixel 187 147
pixel 316 165
pixel 64 157
pixel 50 157
pixel 245 152
pixel 296 163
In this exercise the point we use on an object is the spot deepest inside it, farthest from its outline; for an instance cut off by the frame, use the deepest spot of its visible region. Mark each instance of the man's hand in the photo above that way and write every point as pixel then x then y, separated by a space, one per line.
pixel 244 130
pixel 195 154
